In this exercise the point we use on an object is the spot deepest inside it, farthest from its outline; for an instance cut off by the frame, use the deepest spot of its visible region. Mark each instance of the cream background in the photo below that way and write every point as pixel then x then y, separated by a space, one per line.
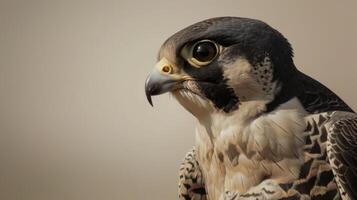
pixel 74 121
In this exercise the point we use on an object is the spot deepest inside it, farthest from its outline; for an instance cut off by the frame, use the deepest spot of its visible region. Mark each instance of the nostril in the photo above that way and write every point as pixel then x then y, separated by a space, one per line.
pixel 166 69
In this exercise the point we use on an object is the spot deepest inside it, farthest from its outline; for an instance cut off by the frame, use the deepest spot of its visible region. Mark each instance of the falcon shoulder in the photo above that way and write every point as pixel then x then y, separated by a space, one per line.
pixel 317 98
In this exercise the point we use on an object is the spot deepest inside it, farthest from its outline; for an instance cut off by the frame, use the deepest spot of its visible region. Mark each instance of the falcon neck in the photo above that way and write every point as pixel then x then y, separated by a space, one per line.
pixel 213 123
pixel 287 121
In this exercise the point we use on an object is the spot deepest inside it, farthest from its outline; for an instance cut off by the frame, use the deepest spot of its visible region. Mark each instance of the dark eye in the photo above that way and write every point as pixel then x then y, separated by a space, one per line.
pixel 204 51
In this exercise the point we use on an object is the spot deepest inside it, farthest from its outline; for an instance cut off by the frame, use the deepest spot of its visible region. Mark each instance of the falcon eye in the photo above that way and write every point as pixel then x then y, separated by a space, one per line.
pixel 204 52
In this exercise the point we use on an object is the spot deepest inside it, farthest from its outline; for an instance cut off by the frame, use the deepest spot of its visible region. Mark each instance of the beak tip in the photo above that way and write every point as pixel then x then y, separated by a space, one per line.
pixel 157 83
pixel 148 95
pixel 150 101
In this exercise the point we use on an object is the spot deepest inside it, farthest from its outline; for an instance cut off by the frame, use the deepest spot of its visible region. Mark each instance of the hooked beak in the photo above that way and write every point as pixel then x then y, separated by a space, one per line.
pixel 157 83
pixel 164 78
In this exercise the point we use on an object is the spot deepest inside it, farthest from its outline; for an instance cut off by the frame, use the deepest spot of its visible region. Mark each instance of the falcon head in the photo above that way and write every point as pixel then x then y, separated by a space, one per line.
pixel 224 65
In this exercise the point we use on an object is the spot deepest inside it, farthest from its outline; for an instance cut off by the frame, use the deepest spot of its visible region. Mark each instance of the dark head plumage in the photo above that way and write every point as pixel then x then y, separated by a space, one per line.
pixel 272 73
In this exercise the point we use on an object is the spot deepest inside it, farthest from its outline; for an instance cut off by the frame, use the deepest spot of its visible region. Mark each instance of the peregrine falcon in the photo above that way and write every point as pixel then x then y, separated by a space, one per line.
pixel 264 130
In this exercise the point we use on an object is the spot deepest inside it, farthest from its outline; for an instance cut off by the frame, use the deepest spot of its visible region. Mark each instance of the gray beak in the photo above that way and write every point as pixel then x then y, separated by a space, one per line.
pixel 157 83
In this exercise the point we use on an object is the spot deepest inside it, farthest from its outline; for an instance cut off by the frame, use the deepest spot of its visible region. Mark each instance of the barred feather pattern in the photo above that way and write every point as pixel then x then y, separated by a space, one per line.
pixel 342 152
pixel 191 183
pixel 316 179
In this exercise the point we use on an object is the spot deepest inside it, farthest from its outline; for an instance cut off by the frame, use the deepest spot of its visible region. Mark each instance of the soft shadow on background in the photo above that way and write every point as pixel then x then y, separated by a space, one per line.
pixel 74 121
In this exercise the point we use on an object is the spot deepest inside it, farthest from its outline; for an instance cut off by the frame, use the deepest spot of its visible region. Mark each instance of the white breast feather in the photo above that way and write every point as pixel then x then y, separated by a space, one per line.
pixel 269 144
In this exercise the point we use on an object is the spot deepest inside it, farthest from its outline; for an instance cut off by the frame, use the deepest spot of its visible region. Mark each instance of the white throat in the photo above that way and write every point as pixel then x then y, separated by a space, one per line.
pixel 278 131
